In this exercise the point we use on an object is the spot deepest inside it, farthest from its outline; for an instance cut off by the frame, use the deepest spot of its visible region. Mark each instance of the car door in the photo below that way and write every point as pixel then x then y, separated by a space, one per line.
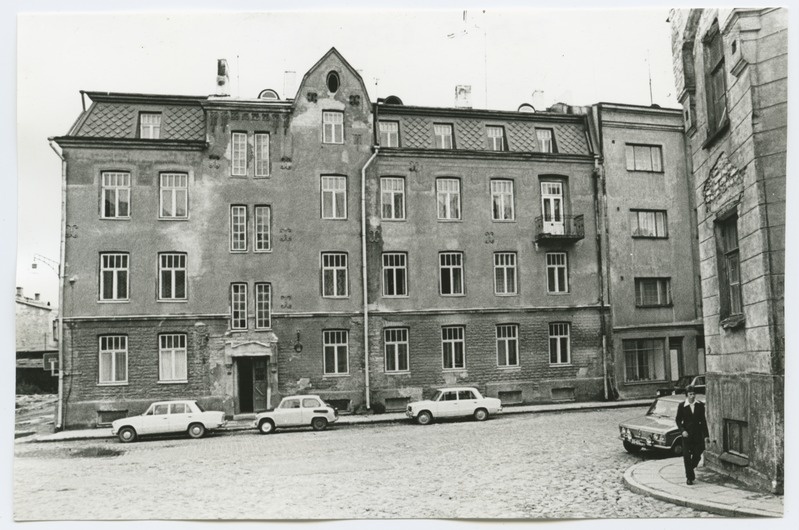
pixel 289 413
pixel 447 405
pixel 156 420
pixel 179 417
pixel 309 405
pixel 467 402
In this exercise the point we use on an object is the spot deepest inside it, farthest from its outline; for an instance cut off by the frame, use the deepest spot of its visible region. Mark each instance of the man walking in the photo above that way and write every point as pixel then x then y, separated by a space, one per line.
pixel 691 421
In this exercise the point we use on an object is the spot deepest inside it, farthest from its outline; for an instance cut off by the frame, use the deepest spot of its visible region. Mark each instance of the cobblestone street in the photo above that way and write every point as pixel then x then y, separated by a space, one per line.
pixel 556 465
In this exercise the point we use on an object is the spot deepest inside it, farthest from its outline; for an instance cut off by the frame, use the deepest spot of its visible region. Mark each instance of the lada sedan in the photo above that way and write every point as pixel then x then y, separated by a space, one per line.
pixel 452 403
pixel 169 417
pixel 656 429
pixel 297 411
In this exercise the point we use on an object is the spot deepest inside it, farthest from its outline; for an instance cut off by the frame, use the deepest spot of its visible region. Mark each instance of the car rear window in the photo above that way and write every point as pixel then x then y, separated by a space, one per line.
pixel 310 402
pixel 466 394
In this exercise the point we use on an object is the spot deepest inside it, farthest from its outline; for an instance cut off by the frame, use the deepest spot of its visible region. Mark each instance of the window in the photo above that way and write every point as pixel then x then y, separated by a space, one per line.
pixel 504 273
pixel 443 135
pixel 332 127
pixel 559 344
pixel 496 138
pixel 261 154
pixel 263 306
pixel 730 268
pixel 113 359
pixel 334 197
pixel 507 345
pixel 263 228
pixel 238 155
pixel 333 82
pixel 644 158
pixel 557 273
pixel 736 436
pixel 334 275
pixel 715 83
pixel 392 198
pixel 115 195
pixel 395 274
pixel 238 306
pixel 652 292
pixel 448 191
pixel 396 345
pixel 451 272
pixel 150 125
pixel 238 228
pixel 174 195
pixel 546 140
pixel 172 357
pixel 453 348
pixel 502 200
pixel 389 133
pixel 179 408
pixel 335 348
pixel 172 276
pixel 644 360
pixel 113 277
pixel 649 223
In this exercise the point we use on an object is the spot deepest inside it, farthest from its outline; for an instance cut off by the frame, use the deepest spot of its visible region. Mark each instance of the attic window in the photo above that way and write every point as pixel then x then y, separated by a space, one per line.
pixel 333 82
pixel 268 94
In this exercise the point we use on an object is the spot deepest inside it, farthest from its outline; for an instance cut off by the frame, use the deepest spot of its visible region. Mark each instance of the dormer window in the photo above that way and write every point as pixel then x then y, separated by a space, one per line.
pixel 443 134
pixel 150 125
pixel 333 82
pixel 546 140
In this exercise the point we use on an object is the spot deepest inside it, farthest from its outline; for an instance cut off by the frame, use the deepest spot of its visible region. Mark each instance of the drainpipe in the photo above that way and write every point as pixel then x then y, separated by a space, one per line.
pixel 364 276
pixel 601 275
pixel 59 424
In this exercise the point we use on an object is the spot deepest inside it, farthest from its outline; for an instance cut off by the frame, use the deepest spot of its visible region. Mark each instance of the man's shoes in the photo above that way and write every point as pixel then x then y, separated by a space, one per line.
pixel 689 482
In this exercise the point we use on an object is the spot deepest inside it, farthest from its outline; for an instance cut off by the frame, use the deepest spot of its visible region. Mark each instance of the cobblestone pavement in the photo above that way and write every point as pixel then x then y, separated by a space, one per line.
pixel 555 465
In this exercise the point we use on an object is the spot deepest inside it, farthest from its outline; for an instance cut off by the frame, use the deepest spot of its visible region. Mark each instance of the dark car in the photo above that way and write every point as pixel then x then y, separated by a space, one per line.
pixel 697 381
pixel 655 430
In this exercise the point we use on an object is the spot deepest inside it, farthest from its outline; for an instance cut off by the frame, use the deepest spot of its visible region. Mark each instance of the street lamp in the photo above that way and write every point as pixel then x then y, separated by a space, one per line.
pixel 53 264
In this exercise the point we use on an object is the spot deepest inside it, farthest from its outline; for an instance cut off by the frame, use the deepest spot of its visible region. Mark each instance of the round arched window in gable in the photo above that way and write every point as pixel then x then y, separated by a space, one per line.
pixel 333 82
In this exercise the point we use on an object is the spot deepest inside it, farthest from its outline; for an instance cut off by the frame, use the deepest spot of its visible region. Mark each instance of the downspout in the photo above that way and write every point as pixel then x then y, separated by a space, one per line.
pixel 59 424
pixel 601 275
pixel 364 287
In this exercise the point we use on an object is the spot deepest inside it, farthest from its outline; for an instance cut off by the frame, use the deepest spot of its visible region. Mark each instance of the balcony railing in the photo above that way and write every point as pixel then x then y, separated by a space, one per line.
pixel 570 230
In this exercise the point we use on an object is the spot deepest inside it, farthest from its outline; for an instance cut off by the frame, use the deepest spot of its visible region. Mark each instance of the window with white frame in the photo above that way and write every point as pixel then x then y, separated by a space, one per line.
pixel 334 275
pixel 443 135
pixel 502 200
pixel 644 360
pixel 730 298
pixel 496 137
pixel 389 133
pixel 174 195
pixel 238 306
pixel 172 361
pixel 238 154
pixel 453 348
pixel 504 273
pixel 334 197
pixel 507 345
pixel 448 193
pixel 172 276
pixel 396 349
pixel 546 140
pixel 114 276
pixel 559 343
pixel 395 274
pixel 115 195
pixel 649 223
pixel 392 198
pixel 113 361
pixel 263 305
pixel 336 350
pixel 652 292
pixel 715 80
pixel 150 125
pixel 238 228
pixel 261 141
pixel 332 127
pixel 451 273
pixel 263 228
pixel 644 158
pixel 557 272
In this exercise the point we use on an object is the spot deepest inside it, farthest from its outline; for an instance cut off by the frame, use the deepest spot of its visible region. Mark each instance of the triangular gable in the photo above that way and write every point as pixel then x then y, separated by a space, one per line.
pixel 332 51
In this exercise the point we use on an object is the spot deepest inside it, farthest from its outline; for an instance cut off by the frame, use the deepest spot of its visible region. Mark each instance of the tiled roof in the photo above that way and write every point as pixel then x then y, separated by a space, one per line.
pixel 110 121
pixel 119 120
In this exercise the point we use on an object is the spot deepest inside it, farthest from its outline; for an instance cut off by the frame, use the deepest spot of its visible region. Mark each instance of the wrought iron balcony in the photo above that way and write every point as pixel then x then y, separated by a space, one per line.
pixel 570 230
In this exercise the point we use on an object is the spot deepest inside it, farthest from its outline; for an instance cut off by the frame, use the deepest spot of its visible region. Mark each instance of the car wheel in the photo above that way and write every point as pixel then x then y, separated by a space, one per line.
pixel 481 414
pixel 424 418
pixel 196 430
pixel 676 449
pixel 127 435
pixel 319 424
pixel 631 448
pixel 266 427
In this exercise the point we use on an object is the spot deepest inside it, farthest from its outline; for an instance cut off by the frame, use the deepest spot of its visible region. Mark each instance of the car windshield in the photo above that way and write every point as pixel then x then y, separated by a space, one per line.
pixel 436 395
pixel 684 381
pixel 663 408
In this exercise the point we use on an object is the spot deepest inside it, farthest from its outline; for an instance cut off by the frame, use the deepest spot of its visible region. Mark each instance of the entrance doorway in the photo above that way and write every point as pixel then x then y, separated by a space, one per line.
pixel 253 385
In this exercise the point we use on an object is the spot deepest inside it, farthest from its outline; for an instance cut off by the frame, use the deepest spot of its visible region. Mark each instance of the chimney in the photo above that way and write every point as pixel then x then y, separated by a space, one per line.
pixel 289 84
pixel 222 78
pixel 36 296
pixel 463 96
pixel 19 292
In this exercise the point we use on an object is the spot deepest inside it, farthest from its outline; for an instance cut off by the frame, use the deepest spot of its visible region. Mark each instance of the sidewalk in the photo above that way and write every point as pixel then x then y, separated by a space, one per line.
pixel 244 423
pixel 664 479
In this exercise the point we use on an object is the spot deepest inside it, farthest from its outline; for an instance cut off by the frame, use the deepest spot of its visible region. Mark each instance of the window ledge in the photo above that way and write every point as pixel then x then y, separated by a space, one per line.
pixel 406 372
pixel 327 376
pixel 654 306
pixel 734 459
pixel 181 382
pixel 172 300
pixel 733 322
pixel 715 135
pixel 649 237
pixel 123 383
pixel 115 218
pixel 173 218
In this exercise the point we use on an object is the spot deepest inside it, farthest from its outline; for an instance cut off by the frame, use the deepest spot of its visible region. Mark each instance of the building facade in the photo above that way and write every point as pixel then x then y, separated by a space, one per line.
pixel 731 73
pixel 36 337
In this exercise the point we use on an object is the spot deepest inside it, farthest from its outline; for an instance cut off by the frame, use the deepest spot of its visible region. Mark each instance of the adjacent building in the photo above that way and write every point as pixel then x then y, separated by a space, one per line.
pixel 36 343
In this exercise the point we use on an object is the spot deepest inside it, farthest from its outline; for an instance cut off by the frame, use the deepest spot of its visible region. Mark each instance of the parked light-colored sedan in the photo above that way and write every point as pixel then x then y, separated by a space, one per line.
pixel 451 403
pixel 168 417
pixel 297 411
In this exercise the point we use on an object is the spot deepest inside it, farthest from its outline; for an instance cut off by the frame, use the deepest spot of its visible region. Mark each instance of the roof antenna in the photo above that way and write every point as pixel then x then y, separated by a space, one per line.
pixel 649 69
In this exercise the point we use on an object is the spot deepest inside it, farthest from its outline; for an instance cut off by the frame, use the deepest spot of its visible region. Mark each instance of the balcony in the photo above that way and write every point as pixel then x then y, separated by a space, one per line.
pixel 570 230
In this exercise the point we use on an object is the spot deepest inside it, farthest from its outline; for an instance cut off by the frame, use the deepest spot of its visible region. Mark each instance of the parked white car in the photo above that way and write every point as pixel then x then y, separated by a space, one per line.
pixel 451 403
pixel 167 417
pixel 297 411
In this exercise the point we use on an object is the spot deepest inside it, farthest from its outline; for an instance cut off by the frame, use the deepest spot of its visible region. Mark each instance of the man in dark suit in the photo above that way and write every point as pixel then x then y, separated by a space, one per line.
pixel 691 421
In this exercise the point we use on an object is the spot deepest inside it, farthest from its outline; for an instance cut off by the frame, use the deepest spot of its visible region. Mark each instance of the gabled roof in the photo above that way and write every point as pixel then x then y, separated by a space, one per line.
pixel 332 51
